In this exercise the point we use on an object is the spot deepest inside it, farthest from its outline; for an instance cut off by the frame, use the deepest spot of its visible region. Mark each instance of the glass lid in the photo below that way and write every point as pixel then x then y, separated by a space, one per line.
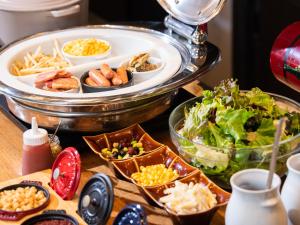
pixel 192 12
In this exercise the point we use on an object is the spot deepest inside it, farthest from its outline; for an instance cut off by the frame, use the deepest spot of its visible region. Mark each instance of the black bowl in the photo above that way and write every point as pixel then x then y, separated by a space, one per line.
pixel 51 215
pixel 90 89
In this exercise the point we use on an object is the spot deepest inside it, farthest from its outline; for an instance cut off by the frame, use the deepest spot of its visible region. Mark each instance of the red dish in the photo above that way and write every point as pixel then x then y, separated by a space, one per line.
pixel 15 216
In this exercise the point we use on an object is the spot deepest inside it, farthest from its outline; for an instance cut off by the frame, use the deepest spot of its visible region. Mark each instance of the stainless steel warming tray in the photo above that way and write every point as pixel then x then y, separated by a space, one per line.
pixel 105 111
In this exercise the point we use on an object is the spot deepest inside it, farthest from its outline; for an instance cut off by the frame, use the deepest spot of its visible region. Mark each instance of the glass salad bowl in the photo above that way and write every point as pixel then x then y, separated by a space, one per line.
pixel 220 163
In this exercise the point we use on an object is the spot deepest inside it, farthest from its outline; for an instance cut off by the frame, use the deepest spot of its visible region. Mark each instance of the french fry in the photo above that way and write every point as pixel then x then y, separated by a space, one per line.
pixel 37 51
pixel 31 59
pixel 57 49
pixel 38 62
pixel 16 70
pixel 36 70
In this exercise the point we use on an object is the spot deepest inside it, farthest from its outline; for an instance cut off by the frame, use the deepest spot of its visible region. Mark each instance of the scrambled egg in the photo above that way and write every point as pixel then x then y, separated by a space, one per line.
pixel 86 47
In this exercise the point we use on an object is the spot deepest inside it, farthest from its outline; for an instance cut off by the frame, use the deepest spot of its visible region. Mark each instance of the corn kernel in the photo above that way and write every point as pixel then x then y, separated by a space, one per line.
pixel 86 47
pixel 154 175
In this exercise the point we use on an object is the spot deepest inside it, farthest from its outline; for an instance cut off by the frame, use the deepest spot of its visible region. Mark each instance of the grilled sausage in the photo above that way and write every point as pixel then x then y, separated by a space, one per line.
pixel 116 80
pixel 107 71
pixel 90 82
pixel 121 71
pixel 98 78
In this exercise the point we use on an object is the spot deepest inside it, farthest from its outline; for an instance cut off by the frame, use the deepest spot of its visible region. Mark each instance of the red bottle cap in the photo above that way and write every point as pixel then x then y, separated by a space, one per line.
pixel 65 175
pixel 285 56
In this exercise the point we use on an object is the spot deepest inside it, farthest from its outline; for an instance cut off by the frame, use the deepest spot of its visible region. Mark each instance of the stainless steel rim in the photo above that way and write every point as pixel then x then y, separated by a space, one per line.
pixel 80 114
pixel 86 122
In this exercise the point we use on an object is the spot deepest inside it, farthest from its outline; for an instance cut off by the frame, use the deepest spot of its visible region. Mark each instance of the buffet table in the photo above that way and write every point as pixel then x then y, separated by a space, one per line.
pixel 11 131
pixel 174 168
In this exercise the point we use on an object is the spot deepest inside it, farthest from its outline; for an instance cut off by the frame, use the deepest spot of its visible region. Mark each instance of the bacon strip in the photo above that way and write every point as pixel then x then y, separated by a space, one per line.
pixel 63 74
pixel 65 83
pixel 44 77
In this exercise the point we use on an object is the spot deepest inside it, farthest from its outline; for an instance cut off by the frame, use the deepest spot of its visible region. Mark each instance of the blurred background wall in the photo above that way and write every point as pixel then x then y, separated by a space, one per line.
pixel 256 24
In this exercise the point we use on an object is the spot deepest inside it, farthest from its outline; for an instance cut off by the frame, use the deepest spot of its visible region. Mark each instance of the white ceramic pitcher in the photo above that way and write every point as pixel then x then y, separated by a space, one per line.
pixel 290 193
pixel 251 203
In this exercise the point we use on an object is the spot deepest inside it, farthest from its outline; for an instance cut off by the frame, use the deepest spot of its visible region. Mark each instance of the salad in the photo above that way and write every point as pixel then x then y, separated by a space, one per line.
pixel 231 126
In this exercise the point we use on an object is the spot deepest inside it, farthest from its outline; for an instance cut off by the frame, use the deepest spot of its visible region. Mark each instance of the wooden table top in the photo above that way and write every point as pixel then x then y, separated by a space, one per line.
pixel 10 148
pixel 124 192
pixel 11 154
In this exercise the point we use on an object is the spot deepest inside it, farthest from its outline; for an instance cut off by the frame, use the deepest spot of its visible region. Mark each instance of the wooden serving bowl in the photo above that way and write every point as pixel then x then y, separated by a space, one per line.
pixel 199 218
pixel 106 140
pixel 163 155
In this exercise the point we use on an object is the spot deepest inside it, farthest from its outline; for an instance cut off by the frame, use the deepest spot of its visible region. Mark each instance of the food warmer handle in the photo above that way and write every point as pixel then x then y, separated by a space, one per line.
pixel 66 12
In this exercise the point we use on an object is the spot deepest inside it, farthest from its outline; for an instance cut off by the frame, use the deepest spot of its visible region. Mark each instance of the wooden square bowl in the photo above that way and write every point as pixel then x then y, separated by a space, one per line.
pixel 163 155
pixel 134 132
pixel 199 218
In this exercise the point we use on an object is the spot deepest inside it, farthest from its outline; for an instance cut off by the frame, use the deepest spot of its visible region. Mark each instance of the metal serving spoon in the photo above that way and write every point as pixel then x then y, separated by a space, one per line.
pixel 278 133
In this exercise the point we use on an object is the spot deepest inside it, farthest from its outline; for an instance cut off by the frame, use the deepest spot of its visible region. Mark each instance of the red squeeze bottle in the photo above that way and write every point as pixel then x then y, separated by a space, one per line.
pixel 36 149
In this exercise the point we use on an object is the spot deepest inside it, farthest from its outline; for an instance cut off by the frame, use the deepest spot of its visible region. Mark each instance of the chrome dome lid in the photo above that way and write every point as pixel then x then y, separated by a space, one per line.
pixel 193 12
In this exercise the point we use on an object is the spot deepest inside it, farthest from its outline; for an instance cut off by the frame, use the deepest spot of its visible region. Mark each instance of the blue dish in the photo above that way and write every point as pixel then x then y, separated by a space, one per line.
pixel 132 214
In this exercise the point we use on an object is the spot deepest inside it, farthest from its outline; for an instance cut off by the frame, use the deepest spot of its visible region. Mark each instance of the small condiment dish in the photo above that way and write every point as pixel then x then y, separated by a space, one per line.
pixel 139 77
pixel 163 155
pixel 83 59
pixel 91 89
pixel 199 218
pixel 134 132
